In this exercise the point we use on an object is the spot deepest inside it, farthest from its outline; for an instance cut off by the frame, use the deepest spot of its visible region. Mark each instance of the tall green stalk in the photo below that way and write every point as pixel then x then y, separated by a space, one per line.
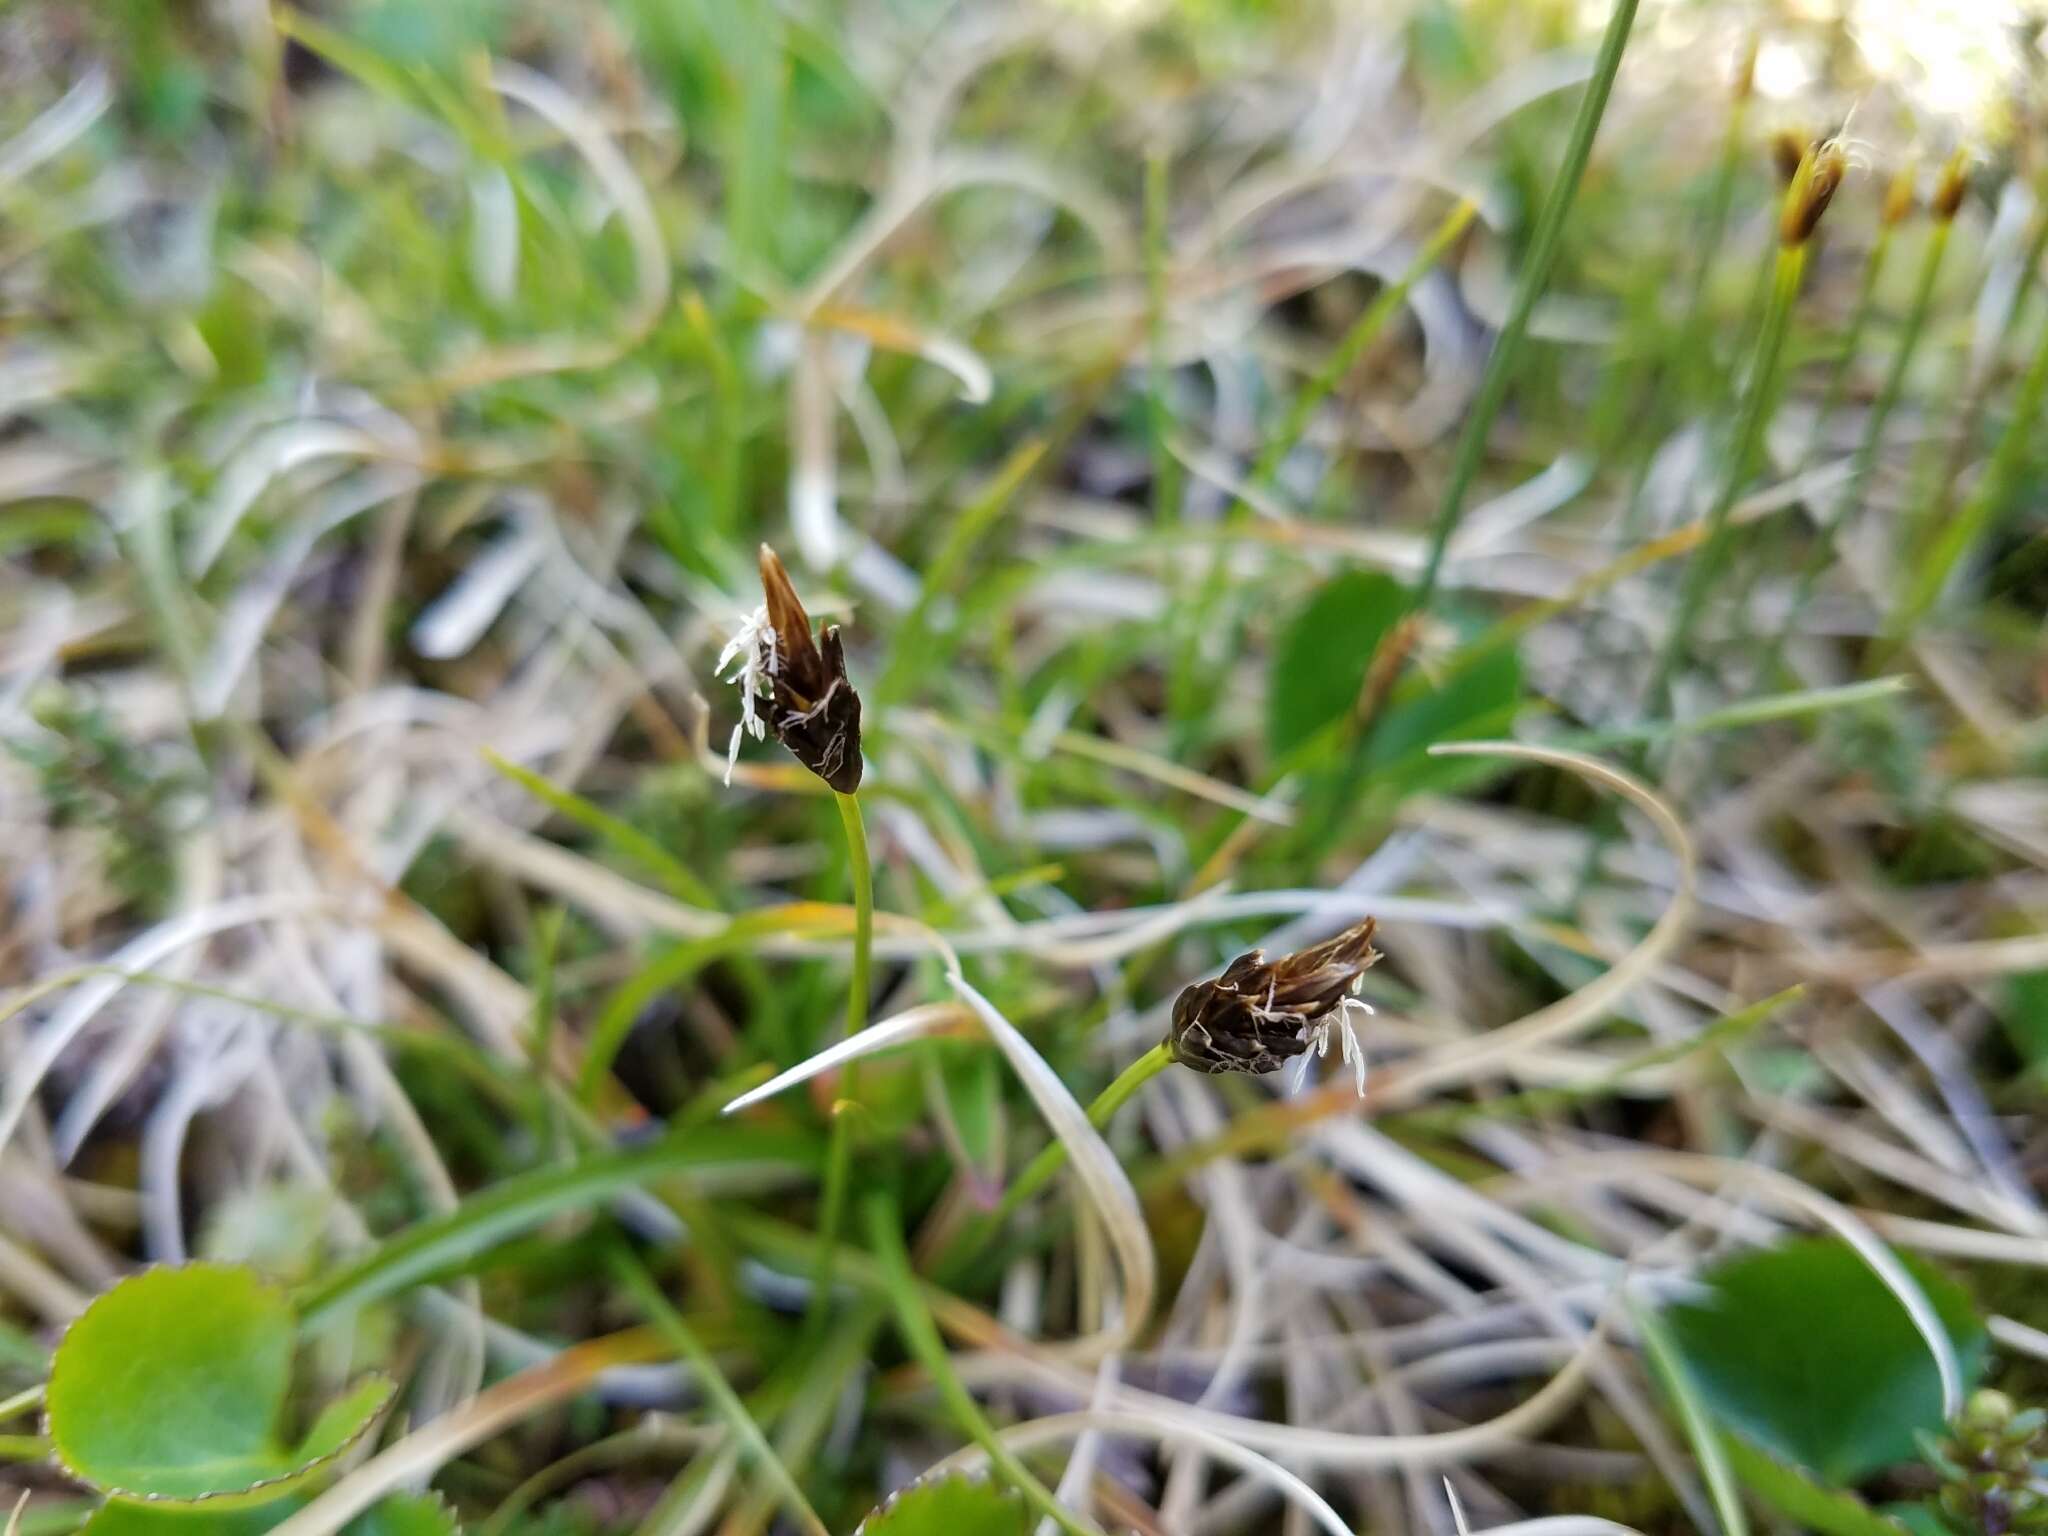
pixel 739 1421
pixel 1190 675
pixel 1166 474
pixel 839 1156
pixel 1873 432
pixel 1852 339
pixel 921 1336
pixel 1928 575
pixel 1758 404
pixel 1529 286
pixel 1041 1168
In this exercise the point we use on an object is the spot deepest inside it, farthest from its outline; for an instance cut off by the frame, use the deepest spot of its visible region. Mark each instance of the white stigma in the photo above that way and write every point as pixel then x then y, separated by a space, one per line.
pixel 753 646
pixel 1352 1050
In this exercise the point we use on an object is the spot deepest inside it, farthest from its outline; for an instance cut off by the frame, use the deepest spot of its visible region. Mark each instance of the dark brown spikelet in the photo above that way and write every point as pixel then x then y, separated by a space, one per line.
pixel 1898 197
pixel 1787 150
pixel 1256 1015
pixel 1813 188
pixel 1949 190
pixel 814 712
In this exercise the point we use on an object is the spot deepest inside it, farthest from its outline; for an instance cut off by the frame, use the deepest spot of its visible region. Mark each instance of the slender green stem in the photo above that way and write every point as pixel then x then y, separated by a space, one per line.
pixel 1054 1155
pixel 1694 1416
pixel 921 1335
pixel 1190 673
pixel 1873 432
pixel 1166 476
pixel 1113 1098
pixel 1852 338
pixel 1535 275
pixel 839 1156
pixel 863 914
pixel 21 1402
pixel 23 1448
pixel 1757 407
pixel 668 1322
pixel 1351 350
pixel 1928 576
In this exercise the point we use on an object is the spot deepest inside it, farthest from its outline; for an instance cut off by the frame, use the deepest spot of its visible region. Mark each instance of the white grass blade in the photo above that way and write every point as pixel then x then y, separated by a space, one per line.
pixel 912 1024
pixel 26 1075
pixel 1464 1059
pixel 1150 1426
pixel 1782 1188
pixel 1107 1185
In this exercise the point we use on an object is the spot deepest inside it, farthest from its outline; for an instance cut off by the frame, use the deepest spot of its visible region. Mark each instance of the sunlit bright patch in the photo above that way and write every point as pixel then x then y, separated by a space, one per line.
pixel 1952 58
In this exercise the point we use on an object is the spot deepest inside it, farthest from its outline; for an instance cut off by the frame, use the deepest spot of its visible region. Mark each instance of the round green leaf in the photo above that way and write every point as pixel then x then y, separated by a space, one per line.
pixel 1804 1350
pixel 950 1506
pixel 172 1385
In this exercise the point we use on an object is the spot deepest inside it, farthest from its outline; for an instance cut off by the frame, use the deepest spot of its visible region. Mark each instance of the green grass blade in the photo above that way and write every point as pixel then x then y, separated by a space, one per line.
pixel 518 1204
pixel 1529 286
pixel 668 1322
pixel 1671 1370
pixel 921 1335
pixel 625 838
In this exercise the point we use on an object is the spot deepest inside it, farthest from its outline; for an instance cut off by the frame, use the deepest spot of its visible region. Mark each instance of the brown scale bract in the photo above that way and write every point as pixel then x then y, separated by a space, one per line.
pixel 1257 1014
pixel 814 710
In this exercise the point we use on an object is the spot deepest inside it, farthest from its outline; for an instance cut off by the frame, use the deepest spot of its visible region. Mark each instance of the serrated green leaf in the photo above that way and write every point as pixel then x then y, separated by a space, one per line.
pixel 1795 1493
pixel 399 1515
pixel 1918 1519
pixel 419 1514
pixel 172 1386
pixel 119 1517
pixel 950 1506
pixel 1806 1352
pixel 342 1420
pixel 1323 654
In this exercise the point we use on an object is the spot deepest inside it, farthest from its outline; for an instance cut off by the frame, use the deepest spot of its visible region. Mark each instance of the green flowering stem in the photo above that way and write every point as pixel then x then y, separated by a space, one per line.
pixel 1535 276
pixel 839 1156
pixel 1994 489
pixel 669 1323
pixel 1113 1098
pixel 1873 430
pixel 1039 1171
pixel 1757 406
pixel 921 1336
